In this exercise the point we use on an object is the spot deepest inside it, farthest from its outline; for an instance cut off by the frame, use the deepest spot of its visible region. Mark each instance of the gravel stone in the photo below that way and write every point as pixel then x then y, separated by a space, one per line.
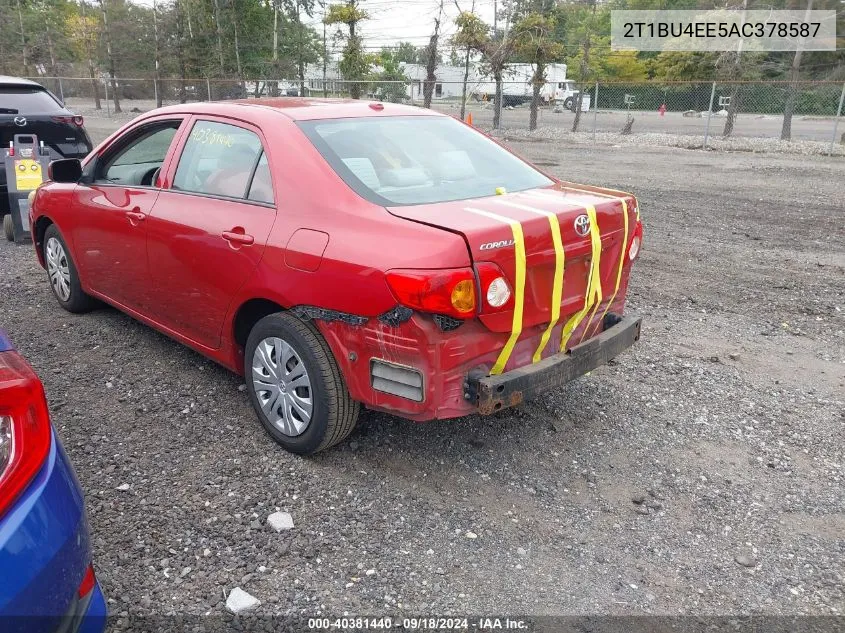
pixel 746 561
pixel 280 521
pixel 239 601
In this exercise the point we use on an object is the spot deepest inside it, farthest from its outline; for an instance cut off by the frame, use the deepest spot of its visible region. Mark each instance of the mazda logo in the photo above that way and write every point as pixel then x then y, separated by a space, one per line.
pixel 582 225
pixel 20 121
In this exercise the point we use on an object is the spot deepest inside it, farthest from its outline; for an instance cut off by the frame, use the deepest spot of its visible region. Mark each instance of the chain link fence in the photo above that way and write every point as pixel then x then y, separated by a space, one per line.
pixel 702 114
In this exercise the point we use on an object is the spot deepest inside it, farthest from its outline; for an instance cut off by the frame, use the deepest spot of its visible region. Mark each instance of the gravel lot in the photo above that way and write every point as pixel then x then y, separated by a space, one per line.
pixel 700 473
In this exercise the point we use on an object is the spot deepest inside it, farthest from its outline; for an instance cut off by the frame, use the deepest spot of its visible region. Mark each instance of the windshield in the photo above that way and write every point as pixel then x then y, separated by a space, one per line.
pixel 26 100
pixel 418 159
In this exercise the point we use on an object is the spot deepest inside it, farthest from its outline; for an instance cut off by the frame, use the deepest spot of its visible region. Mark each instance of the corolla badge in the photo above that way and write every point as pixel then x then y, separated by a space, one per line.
pixel 489 246
pixel 582 225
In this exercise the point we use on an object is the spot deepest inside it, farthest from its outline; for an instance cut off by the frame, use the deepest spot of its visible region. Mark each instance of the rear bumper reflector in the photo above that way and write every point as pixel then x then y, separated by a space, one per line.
pixel 397 380
pixel 497 392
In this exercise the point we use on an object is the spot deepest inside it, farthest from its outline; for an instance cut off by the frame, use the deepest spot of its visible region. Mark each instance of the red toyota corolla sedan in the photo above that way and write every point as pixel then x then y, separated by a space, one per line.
pixel 339 253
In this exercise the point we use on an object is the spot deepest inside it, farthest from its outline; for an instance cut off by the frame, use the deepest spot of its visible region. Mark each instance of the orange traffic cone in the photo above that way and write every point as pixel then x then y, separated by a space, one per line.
pixel 469 118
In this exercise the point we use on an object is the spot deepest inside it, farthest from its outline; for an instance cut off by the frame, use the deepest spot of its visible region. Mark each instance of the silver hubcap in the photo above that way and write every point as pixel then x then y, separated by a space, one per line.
pixel 282 385
pixel 58 269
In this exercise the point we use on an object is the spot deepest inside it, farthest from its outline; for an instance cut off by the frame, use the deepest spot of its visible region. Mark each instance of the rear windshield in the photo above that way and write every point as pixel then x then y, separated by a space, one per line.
pixel 418 159
pixel 23 100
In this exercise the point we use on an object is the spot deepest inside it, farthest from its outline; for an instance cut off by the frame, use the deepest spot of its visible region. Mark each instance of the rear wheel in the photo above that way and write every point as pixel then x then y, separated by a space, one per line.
pixel 8 228
pixel 295 386
pixel 64 278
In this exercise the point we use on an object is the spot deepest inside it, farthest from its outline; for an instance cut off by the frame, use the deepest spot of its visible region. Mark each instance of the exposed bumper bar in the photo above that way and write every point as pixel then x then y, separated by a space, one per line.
pixel 509 389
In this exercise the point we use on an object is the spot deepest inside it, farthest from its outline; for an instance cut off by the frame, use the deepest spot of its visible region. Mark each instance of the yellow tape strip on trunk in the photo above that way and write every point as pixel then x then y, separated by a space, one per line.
pixel 519 290
pixel 593 295
pixel 560 263
pixel 621 255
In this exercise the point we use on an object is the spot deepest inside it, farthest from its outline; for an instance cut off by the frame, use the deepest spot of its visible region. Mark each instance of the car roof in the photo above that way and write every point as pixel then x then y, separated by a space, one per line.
pixel 301 108
pixel 6 80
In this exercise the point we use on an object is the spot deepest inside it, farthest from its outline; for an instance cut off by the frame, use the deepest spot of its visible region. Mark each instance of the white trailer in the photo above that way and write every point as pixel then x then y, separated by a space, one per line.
pixel 517 87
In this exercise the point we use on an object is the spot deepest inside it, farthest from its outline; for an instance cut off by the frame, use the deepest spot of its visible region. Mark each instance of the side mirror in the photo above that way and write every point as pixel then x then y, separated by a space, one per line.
pixel 65 170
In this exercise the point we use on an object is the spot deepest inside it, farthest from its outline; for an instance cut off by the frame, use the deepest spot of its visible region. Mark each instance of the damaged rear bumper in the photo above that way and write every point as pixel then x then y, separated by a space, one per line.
pixel 493 393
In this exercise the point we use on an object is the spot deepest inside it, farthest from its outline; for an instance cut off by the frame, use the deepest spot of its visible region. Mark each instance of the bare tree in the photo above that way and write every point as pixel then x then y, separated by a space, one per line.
pixel 219 32
pixel 110 55
pixel 238 66
pixel 794 75
pixel 24 48
pixel 495 51
pixel 156 53
pixel 584 69
pixel 180 51
pixel 431 60
pixel 88 41
pixel 466 66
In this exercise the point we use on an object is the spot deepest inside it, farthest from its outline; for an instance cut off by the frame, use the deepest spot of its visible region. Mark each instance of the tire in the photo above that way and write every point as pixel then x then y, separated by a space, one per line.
pixel 8 228
pixel 333 413
pixel 65 282
pixel 569 104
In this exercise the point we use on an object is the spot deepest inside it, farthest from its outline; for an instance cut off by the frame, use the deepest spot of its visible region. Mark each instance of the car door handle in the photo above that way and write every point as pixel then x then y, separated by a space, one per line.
pixel 239 238
pixel 135 215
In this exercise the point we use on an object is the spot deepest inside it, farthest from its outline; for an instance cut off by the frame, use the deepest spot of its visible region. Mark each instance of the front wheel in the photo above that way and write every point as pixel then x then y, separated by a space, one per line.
pixel 295 385
pixel 569 104
pixel 8 227
pixel 64 277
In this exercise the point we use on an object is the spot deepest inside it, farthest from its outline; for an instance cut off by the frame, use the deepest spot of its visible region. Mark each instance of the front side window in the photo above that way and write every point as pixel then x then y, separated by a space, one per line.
pixel 406 160
pixel 136 161
pixel 218 160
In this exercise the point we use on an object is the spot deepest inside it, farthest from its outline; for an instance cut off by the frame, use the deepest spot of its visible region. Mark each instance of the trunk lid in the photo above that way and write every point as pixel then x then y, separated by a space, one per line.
pixel 484 225
pixel 64 139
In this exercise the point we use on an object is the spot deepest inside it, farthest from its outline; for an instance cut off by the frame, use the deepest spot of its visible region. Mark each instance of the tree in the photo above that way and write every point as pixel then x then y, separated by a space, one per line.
pixel 584 23
pixel 794 74
pixel 405 52
pixel 395 81
pixel 431 60
pixel 84 31
pixel 110 54
pixel 535 44
pixel 495 50
pixel 355 63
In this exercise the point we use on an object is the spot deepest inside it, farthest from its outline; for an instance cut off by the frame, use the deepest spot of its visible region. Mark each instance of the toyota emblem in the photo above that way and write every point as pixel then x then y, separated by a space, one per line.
pixel 20 121
pixel 582 225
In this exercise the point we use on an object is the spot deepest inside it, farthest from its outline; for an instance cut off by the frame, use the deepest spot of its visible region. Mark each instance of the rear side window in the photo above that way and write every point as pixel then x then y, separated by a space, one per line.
pixel 24 100
pixel 261 188
pixel 220 160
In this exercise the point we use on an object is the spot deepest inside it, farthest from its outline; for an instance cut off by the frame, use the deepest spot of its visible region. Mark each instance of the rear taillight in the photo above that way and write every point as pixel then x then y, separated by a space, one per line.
pixel 495 288
pixel 636 242
pixel 445 291
pixel 75 119
pixel 24 427
pixel 87 583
